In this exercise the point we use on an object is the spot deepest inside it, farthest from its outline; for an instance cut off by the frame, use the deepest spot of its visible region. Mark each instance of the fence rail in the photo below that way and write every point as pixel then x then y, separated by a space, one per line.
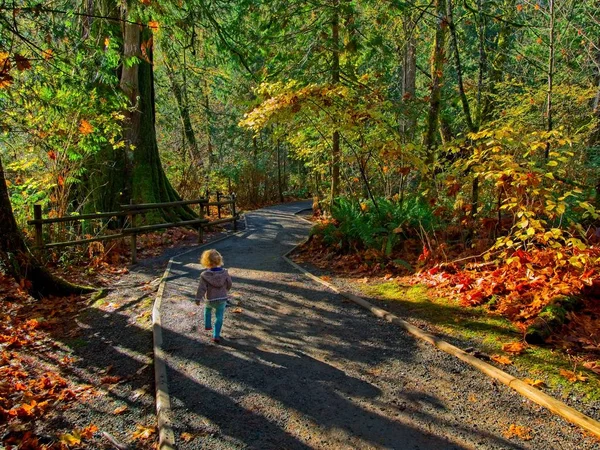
pixel 131 213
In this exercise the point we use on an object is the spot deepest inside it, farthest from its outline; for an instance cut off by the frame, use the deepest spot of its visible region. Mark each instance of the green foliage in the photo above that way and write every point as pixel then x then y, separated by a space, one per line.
pixel 381 226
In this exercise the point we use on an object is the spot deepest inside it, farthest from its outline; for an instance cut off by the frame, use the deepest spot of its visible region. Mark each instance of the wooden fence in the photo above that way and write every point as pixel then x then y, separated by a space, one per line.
pixel 130 215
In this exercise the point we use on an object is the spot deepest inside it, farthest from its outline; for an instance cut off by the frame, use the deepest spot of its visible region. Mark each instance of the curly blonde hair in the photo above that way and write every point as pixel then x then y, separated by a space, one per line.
pixel 211 258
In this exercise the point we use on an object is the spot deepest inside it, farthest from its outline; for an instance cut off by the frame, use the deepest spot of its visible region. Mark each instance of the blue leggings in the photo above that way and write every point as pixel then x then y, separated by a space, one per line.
pixel 219 307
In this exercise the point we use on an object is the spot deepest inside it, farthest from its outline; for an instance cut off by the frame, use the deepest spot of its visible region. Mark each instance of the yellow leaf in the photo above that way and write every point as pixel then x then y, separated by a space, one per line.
pixel 143 432
pixel 534 383
pixel 236 310
pixel 502 360
pixel 71 438
pixel 530 231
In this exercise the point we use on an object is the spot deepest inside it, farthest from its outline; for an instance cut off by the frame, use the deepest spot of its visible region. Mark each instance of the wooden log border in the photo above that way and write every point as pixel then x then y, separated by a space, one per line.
pixel 535 395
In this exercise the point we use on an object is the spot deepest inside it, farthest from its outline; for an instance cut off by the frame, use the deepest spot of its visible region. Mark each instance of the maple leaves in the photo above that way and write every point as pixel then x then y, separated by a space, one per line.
pixel 519 289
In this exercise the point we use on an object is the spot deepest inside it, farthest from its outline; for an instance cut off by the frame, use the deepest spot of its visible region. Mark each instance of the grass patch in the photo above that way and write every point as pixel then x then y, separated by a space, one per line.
pixel 486 331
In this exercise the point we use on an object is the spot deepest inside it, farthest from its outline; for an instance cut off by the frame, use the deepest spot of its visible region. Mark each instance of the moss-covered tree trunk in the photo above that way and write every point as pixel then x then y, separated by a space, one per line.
pixel 17 261
pixel 438 56
pixel 134 173
pixel 148 182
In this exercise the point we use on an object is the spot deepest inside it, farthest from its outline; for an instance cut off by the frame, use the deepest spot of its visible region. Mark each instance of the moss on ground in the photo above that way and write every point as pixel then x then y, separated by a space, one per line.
pixel 487 331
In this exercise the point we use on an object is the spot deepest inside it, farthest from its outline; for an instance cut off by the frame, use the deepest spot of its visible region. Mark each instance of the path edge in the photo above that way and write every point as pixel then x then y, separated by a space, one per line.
pixel 166 436
pixel 535 395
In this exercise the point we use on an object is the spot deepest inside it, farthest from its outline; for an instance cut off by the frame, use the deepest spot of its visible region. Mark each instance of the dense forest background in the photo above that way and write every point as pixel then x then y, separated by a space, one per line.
pixel 435 129
pixel 451 149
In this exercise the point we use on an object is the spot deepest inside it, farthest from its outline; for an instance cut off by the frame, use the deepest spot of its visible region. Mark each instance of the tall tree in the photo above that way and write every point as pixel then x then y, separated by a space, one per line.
pixel 17 260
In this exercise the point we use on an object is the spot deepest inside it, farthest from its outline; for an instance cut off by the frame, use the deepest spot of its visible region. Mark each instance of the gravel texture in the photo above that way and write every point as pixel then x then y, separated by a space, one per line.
pixel 109 349
pixel 301 367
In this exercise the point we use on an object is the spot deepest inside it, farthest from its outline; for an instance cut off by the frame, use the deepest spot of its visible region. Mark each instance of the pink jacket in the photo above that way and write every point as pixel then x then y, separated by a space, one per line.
pixel 214 284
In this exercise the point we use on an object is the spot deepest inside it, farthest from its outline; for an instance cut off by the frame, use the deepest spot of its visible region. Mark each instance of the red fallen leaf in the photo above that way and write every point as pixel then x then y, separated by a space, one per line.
pixel 110 379
pixel 433 270
pixel 52 155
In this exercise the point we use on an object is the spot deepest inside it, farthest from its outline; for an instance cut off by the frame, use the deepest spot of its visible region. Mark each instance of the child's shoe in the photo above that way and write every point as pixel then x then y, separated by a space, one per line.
pixel 208 329
pixel 216 340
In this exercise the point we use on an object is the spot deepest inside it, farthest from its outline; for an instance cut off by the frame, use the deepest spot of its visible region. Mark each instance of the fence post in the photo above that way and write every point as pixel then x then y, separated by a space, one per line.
pixel 37 215
pixel 201 227
pixel 219 204
pixel 233 212
pixel 133 237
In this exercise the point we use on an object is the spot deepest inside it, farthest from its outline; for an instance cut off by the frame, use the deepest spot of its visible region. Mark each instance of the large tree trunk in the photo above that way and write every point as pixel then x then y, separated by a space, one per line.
pixel 435 96
pixel 458 66
pixel 497 67
pixel 335 79
pixel 408 124
pixel 17 261
pixel 149 183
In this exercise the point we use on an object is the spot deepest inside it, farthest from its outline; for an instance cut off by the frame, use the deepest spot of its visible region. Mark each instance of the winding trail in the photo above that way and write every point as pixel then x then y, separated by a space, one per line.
pixel 302 368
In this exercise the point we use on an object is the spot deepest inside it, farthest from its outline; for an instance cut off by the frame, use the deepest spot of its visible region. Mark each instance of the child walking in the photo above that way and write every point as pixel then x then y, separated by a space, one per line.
pixel 215 281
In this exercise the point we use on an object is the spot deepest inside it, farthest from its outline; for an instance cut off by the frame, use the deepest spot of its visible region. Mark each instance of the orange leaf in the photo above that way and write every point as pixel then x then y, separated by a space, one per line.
pixel 5 80
pixel 572 376
pixel 187 437
pixel 518 431
pixel 120 410
pixel 85 127
pixel 236 310
pixel 52 155
pixel 514 347
pixel 89 431
pixel 153 24
pixel 48 54
pixel 502 360
pixel 326 278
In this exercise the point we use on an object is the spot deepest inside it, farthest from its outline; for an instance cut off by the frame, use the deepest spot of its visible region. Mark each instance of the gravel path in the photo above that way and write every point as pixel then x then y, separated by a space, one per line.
pixel 301 368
